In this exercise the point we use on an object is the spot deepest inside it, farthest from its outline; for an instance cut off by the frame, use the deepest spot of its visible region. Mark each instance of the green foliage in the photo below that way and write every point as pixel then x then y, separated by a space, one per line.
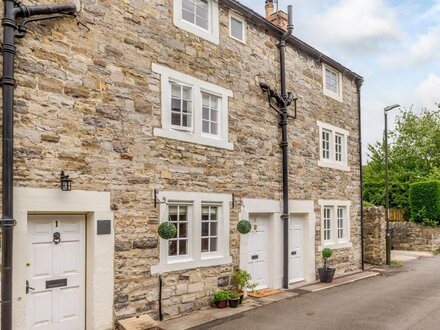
pixel 425 201
pixel 244 226
pixel 435 252
pixel 413 157
pixel 396 262
pixel 167 230
pixel 220 295
pixel 326 253
pixel 242 280
pixel 234 295
pixel 430 223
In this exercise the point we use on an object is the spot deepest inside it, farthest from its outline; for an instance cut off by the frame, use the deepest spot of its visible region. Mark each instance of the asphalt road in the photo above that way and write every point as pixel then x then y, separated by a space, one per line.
pixel 405 298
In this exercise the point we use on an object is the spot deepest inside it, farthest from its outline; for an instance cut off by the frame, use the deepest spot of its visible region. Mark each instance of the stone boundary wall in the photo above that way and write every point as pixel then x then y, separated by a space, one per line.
pixel 374 235
pixel 414 237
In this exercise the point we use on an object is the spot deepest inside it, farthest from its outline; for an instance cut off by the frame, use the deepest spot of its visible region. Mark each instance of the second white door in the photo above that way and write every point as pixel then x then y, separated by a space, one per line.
pixel 296 249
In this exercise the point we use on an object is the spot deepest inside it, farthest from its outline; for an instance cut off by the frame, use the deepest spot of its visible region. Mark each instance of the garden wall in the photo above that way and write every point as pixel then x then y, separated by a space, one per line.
pixel 374 235
pixel 415 237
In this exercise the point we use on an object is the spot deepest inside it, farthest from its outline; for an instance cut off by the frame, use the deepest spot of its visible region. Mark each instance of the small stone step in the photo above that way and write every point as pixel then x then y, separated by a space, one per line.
pixel 143 322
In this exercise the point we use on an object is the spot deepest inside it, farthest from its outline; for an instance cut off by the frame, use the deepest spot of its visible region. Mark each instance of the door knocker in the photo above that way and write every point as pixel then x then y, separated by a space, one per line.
pixel 56 237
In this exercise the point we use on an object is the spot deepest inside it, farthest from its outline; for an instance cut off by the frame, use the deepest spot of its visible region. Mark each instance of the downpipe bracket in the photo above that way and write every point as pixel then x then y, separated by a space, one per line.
pixel 4 222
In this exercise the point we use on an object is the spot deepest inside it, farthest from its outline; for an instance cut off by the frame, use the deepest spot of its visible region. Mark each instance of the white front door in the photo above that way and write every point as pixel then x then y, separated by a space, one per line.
pixel 257 263
pixel 296 249
pixel 56 272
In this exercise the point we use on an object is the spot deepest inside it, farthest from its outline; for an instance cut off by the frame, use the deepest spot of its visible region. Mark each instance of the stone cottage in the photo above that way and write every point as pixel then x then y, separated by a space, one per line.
pixel 154 110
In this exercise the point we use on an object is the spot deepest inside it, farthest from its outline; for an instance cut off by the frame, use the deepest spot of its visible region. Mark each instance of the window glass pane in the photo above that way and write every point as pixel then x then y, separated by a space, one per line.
pixel 214 116
pixel 176 90
pixel 186 120
pixel 183 230
pixel 213 213
pixel 213 228
pixel 175 119
pixel 186 93
pixel 213 245
pixel 331 81
pixel 182 213
pixel 175 105
pixel 183 247
pixel 205 100
pixel 188 5
pixel 236 28
pixel 186 106
pixel 173 213
pixel 205 244
pixel 205 113
pixel 203 23
pixel 205 126
pixel 214 128
pixel 172 247
pixel 205 213
pixel 205 229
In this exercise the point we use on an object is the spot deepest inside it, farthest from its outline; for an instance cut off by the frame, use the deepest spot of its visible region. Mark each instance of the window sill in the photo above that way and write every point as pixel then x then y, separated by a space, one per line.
pixel 189 264
pixel 332 95
pixel 335 246
pixel 191 138
pixel 336 166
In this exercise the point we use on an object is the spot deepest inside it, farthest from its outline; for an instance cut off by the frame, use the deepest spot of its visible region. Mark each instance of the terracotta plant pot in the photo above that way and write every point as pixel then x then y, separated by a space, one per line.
pixel 221 304
pixel 326 274
pixel 233 303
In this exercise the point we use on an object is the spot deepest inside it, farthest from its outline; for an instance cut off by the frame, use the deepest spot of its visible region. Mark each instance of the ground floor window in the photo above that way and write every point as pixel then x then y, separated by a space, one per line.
pixel 335 223
pixel 202 223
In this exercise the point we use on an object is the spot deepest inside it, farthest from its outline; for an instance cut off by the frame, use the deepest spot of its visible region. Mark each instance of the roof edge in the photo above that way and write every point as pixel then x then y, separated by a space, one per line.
pixel 298 43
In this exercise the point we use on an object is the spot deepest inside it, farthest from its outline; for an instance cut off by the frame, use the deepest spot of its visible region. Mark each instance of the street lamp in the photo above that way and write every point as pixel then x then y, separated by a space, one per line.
pixel 387 198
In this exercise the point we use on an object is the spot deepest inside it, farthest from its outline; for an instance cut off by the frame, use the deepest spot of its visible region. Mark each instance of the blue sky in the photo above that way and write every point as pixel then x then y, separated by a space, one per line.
pixel 393 44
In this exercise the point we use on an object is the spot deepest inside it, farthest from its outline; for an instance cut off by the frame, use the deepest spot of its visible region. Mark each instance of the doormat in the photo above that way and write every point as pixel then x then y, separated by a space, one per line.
pixel 263 293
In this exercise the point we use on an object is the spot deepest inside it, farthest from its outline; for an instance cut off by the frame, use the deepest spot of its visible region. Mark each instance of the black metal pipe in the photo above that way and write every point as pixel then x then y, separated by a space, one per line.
pixel 160 297
pixel 361 185
pixel 284 146
pixel 12 11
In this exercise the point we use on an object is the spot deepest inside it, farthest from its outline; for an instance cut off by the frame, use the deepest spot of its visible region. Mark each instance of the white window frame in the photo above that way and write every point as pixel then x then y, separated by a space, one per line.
pixel 212 34
pixel 219 224
pixel 189 229
pixel 244 27
pixel 195 257
pixel 332 162
pixel 337 96
pixel 335 242
pixel 198 86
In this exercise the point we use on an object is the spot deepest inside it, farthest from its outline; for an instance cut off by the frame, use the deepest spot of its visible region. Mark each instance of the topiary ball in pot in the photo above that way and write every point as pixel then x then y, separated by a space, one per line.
pixel 167 230
pixel 244 226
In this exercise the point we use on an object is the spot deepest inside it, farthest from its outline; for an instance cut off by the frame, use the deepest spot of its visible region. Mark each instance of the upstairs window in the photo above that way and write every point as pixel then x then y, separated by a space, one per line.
pixel 332 82
pixel 196 12
pixel 193 110
pixel 333 147
pixel 237 28
pixel 199 17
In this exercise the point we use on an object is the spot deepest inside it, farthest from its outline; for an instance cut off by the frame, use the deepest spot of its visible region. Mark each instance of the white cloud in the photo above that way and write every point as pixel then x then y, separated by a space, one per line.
pixel 428 92
pixel 354 25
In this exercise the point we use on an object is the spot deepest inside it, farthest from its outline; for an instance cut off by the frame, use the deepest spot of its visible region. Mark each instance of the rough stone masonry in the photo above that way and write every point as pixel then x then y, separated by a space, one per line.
pixel 87 102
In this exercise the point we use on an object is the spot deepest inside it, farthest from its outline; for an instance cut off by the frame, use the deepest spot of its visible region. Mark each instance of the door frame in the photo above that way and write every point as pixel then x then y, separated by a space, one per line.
pixel 82 219
pixel 99 284
pixel 275 260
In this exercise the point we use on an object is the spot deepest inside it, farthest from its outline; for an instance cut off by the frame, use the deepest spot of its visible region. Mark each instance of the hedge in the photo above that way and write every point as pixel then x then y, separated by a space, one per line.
pixel 425 200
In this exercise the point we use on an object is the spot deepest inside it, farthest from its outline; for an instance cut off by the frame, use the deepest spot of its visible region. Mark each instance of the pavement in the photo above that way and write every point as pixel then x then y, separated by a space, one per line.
pixel 402 255
pixel 402 297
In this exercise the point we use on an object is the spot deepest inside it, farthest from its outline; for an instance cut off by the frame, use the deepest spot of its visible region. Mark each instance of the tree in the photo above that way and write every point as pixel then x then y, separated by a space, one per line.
pixel 414 155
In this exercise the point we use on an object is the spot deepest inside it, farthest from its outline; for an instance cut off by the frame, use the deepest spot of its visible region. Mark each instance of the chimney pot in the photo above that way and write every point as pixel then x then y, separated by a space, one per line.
pixel 269 8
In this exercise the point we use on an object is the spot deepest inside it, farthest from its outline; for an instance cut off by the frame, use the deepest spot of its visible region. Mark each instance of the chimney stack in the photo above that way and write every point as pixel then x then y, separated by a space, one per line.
pixel 269 8
pixel 278 18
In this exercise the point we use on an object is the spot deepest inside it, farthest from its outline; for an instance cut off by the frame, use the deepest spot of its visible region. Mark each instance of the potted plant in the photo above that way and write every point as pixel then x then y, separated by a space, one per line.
pixel 220 298
pixel 234 299
pixel 326 273
pixel 242 280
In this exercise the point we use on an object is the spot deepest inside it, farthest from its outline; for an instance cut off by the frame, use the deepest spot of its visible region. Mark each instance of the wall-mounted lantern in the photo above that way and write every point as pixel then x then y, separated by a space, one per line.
pixel 66 183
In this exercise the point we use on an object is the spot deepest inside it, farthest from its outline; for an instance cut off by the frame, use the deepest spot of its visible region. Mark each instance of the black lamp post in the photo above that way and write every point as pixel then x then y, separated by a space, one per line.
pixel 387 197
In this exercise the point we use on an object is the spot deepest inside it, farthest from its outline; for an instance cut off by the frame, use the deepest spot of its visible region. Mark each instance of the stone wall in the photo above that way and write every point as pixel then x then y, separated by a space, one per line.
pixel 415 237
pixel 87 102
pixel 374 235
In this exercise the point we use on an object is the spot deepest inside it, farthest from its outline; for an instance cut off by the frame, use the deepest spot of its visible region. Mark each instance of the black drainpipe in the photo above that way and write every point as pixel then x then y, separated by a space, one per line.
pixel 283 101
pixel 284 146
pixel 12 11
pixel 359 85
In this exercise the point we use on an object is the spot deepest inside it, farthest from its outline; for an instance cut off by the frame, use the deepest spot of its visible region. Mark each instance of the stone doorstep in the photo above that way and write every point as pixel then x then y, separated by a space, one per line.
pixel 206 315
pixel 143 322
pixel 340 280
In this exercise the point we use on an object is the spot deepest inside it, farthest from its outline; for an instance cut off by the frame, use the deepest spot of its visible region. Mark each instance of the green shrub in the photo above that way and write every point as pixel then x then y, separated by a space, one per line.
pixel 167 230
pixel 220 295
pixel 244 226
pixel 234 295
pixel 425 201
pixel 326 253
pixel 430 223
